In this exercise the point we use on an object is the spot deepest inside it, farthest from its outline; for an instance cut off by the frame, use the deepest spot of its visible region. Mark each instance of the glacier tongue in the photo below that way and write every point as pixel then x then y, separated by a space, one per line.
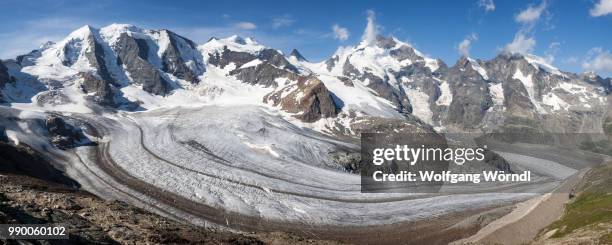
pixel 254 163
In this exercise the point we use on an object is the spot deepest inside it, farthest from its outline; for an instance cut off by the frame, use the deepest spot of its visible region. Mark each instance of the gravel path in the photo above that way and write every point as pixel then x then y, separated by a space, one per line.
pixel 523 224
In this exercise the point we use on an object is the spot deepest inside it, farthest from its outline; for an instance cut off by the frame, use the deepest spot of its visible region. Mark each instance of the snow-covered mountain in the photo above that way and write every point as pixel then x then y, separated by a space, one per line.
pixel 241 135
pixel 123 67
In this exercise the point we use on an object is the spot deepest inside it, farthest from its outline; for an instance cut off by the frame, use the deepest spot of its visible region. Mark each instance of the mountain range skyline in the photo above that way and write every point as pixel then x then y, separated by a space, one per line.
pixel 534 27
pixel 230 119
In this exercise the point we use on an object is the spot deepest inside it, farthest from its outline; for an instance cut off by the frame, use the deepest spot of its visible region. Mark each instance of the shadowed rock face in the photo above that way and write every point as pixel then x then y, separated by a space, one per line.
pixel 228 56
pixel 263 74
pixel 471 97
pixel 385 42
pixel 95 56
pixel 94 53
pixel 267 56
pixel 330 63
pixel 386 90
pixel 22 159
pixel 404 53
pixel 62 134
pixel 172 61
pixel 273 66
pixel 501 69
pixel 4 78
pixel 131 55
pixel 3 137
pixel 418 77
pixel 277 59
pixel 297 55
pixel 100 88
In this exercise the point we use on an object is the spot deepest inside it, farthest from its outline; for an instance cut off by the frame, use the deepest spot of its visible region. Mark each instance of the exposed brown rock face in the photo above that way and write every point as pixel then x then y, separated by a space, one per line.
pixel 309 99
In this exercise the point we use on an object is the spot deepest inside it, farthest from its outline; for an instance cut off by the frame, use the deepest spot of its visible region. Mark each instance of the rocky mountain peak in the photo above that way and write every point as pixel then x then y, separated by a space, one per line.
pixel 464 62
pixel 593 78
pixel 385 42
pixel 297 55
pixel 386 77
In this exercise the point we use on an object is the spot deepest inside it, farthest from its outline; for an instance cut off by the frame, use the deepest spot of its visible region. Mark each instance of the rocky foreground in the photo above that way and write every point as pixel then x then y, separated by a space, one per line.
pixel 91 220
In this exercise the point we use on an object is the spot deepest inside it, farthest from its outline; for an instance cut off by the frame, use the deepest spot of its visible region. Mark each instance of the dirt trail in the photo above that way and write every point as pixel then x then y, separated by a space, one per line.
pixel 523 224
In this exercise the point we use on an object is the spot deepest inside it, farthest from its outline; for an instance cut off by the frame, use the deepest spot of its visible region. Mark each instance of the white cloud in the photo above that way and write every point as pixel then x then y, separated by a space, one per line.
pixel 531 14
pixel 521 44
pixel 340 33
pixel 488 5
pixel 598 60
pixel 571 60
pixel 464 46
pixel 552 50
pixel 524 42
pixel 285 20
pixel 603 7
pixel 369 35
pixel 245 25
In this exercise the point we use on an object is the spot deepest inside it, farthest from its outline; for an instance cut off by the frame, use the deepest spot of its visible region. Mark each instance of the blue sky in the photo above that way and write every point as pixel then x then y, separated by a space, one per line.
pixel 573 35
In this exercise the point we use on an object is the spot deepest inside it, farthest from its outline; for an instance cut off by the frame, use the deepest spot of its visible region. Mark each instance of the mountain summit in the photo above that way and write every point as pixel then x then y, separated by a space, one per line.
pixel 130 68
